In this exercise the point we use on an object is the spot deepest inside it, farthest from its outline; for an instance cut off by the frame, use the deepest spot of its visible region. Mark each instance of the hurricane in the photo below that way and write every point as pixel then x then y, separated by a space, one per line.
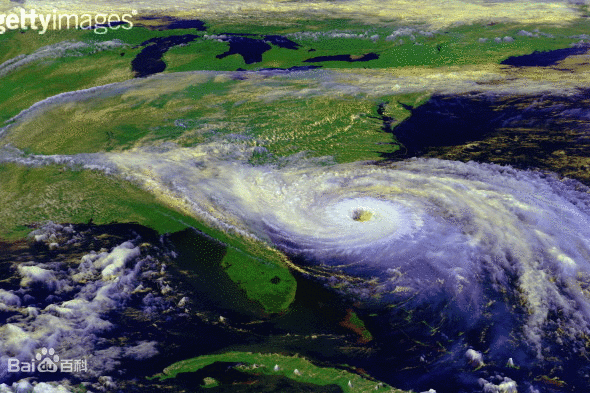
pixel 272 195
pixel 496 256
pixel 484 238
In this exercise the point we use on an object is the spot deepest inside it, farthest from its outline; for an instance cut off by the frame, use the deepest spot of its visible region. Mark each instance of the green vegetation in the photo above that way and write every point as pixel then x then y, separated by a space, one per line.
pixel 270 284
pixel 32 195
pixel 21 88
pixel 291 25
pixel 16 42
pixel 457 45
pixel 555 381
pixel 359 326
pixel 36 195
pixel 284 116
pixel 344 127
pixel 80 389
pixel 201 108
pixel 102 124
pixel 210 382
pixel 308 372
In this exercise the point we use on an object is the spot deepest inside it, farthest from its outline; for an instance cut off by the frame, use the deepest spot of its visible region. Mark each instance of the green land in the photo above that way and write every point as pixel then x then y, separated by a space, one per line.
pixel 342 126
pixel 271 113
pixel 258 363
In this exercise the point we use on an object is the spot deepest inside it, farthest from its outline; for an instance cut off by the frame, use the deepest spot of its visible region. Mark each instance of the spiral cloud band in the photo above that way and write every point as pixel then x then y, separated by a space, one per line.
pixel 488 245
pixel 421 227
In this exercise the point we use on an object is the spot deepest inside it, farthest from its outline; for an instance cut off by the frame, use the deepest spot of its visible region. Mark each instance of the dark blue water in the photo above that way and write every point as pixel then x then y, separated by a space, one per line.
pixel 149 60
pixel 544 59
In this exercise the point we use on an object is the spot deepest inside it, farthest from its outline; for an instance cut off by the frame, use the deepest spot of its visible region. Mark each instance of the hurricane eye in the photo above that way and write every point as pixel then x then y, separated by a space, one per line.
pixel 362 215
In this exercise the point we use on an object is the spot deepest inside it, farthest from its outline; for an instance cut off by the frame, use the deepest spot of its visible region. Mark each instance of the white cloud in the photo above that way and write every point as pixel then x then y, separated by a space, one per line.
pixel 448 227
pixel 507 385
pixel 143 350
pixel 24 386
pixel 9 299
pixel 368 11
pixel 31 274
pixel 78 298
pixel 474 358
pixel 61 49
